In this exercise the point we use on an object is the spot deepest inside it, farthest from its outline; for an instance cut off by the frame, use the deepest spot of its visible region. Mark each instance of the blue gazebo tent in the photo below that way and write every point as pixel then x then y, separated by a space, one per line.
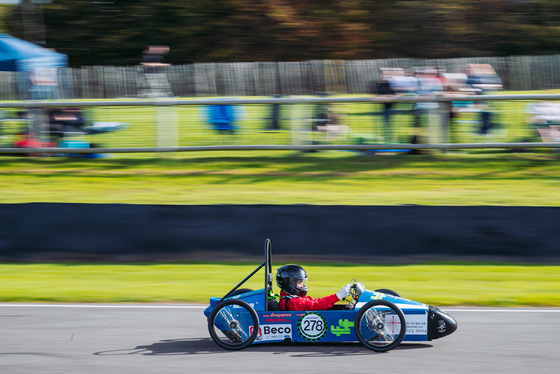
pixel 19 55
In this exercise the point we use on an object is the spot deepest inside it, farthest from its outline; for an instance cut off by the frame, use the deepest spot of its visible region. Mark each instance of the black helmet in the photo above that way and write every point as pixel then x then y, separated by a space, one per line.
pixel 287 278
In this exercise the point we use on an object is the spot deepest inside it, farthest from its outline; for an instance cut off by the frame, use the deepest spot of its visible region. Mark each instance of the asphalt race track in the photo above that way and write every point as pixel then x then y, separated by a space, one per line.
pixel 92 338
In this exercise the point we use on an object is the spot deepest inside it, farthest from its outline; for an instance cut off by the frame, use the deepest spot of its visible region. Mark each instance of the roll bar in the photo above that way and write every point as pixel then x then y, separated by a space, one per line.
pixel 268 272
pixel 267 264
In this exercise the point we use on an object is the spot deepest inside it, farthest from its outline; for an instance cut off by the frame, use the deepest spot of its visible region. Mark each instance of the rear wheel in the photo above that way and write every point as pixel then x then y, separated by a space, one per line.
pixel 240 291
pixel 380 325
pixel 233 324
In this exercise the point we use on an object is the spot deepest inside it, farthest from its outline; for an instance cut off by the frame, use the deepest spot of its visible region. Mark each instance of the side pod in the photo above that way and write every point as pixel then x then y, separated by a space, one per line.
pixel 440 323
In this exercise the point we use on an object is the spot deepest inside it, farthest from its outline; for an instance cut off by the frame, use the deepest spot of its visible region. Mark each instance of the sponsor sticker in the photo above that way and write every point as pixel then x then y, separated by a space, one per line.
pixel 312 326
pixel 441 326
pixel 343 327
pixel 416 324
pixel 393 323
pixel 276 315
pixel 272 332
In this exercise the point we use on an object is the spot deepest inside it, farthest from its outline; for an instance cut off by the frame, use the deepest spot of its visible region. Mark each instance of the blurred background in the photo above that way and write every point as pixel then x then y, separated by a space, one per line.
pixel 61 49
pixel 116 32
pixel 65 65
pixel 266 47
pixel 361 73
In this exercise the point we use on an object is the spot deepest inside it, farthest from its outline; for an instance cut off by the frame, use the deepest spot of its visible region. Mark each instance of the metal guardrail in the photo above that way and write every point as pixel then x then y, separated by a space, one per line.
pixel 283 100
pixel 439 98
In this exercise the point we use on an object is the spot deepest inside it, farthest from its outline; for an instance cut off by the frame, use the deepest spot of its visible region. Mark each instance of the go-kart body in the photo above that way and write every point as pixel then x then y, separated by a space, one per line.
pixel 369 317
pixel 422 321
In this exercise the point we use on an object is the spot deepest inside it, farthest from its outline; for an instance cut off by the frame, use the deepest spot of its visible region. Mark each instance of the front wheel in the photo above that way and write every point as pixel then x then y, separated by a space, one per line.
pixel 233 324
pixel 388 292
pixel 380 325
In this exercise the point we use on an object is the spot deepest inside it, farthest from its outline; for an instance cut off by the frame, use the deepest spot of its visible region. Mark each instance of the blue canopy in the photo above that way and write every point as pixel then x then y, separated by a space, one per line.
pixel 19 55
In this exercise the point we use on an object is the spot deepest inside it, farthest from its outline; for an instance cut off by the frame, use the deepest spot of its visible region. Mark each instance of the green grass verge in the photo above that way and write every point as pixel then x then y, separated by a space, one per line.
pixel 520 179
pixel 437 284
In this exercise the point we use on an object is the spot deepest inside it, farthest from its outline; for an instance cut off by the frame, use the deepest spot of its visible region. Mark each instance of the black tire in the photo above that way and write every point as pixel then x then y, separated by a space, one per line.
pixel 240 291
pixel 388 292
pixel 230 327
pixel 371 325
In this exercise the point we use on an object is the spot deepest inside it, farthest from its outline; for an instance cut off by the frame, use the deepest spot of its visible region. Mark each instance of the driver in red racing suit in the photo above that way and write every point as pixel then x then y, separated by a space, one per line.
pixel 292 280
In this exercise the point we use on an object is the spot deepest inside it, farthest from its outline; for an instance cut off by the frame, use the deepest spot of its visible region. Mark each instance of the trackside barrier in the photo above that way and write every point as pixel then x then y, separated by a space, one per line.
pixel 133 233
pixel 439 122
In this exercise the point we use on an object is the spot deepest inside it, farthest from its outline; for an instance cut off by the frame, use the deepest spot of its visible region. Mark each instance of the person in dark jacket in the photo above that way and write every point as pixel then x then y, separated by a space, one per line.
pixel 292 280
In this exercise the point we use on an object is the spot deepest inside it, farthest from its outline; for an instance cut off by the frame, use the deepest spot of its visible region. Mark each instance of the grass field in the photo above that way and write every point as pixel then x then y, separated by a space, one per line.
pixel 438 284
pixel 531 179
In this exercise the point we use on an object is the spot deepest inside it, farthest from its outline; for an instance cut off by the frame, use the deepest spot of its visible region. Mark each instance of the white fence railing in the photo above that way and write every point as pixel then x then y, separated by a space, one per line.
pixel 366 123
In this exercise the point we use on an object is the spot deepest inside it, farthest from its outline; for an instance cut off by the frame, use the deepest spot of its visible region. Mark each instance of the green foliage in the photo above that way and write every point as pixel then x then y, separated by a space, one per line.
pixel 4 10
pixel 115 33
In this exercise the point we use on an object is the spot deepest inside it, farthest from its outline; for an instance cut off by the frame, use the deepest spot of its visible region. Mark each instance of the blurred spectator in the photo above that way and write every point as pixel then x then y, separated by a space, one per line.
pixel 544 117
pixel 65 121
pixel 320 113
pixel 482 77
pixel 485 120
pixel 155 82
pixel 393 81
pixel 334 126
pixel 275 115
pixel 428 83
pixel 456 82
pixel 224 118
pixel 403 84
pixel 154 56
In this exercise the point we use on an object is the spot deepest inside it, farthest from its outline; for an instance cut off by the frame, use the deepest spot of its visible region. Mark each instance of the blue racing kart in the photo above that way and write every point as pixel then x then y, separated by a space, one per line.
pixel 379 319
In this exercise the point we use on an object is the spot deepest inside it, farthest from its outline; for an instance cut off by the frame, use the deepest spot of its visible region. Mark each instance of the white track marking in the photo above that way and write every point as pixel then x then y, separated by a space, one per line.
pixel 122 306
pixel 503 310
pixel 163 306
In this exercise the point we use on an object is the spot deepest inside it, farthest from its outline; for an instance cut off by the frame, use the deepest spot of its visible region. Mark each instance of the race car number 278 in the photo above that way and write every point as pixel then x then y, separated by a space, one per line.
pixel 312 326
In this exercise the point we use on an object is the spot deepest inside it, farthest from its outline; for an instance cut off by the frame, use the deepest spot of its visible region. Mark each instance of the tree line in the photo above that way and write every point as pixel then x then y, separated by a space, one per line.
pixel 116 32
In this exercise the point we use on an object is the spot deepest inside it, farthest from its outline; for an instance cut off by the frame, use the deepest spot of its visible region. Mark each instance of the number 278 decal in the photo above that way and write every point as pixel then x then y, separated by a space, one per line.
pixel 312 326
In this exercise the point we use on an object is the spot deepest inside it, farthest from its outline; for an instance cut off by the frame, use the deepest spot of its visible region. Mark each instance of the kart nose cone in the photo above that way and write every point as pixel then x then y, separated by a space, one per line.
pixel 440 323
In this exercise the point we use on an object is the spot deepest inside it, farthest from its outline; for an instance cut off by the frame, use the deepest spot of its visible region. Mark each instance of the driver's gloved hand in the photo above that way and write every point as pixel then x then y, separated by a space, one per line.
pixel 344 292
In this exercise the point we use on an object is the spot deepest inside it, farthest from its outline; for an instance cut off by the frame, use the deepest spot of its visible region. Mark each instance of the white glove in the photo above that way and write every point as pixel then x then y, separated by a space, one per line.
pixel 344 292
